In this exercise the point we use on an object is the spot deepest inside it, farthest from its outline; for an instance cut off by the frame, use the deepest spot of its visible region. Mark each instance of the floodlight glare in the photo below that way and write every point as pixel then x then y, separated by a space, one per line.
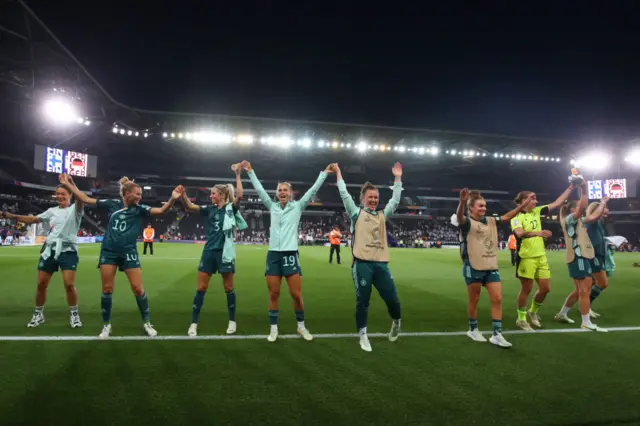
pixel 595 161
pixel 60 112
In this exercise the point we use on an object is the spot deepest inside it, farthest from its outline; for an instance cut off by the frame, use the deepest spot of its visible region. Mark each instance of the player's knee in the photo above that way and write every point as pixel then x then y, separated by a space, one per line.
pixel 107 288
pixel 69 287
pixel 43 284
pixel 138 290
pixel 496 299
pixel 297 297
pixel 228 286
pixel 274 296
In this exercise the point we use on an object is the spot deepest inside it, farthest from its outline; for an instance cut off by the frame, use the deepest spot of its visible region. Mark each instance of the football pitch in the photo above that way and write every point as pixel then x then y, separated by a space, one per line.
pixel 433 374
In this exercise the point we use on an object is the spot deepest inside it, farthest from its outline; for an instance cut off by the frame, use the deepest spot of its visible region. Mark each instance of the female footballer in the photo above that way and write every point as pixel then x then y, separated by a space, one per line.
pixel 479 251
pixel 59 252
pixel 119 247
pixel 595 231
pixel 531 261
pixel 371 252
pixel 218 255
pixel 580 254
pixel 282 257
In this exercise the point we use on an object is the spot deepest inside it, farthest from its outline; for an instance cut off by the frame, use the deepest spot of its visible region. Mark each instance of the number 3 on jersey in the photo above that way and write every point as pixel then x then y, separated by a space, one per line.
pixel 120 226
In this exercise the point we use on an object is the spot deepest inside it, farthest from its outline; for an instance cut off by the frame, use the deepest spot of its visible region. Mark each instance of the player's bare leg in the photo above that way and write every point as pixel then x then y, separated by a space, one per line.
pixel 273 283
pixel 295 289
pixel 227 282
pixel 135 279
pixel 69 279
pixel 41 297
pixel 526 285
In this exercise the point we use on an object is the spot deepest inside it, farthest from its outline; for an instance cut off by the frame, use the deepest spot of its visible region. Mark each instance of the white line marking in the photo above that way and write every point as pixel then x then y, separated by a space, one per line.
pixel 295 336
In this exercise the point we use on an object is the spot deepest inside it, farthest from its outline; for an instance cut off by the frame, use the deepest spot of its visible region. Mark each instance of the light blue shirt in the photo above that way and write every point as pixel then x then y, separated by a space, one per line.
pixel 353 211
pixel 63 229
pixel 283 232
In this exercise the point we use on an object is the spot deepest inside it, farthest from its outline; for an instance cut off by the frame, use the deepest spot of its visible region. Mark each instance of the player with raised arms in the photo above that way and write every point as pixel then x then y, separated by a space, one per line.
pixel 531 260
pixel 59 252
pixel 586 252
pixel 119 247
pixel 479 252
pixel 370 251
pixel 282 257
pixel 219 253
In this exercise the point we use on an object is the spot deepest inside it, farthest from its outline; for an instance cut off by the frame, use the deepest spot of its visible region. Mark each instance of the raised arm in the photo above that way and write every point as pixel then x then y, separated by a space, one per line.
pixel 26 219
pixel 264 196
pixel 80 196
pixel 304 200
pixel 562 198
pixel 598 212
pixel 158 211
pixel 582 204
pixel 464 196
pixel 394 202
pixel 513 213
pixel 349 205
pixel 239 189
pixel 188 205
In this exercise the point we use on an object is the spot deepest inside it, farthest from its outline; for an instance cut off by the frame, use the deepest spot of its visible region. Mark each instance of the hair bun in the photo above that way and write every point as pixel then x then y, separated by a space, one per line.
pixel 124 180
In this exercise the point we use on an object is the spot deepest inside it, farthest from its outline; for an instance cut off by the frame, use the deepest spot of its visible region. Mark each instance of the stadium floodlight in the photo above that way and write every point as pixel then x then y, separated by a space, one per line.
pixel 129 132
pixel 243 138
pixel 402 149
pixel 146 188
pixel 501 155
pixel 594 161
pixel 165 135
pixel 348 145
pixel 361 147
pixel 335 144
pixel 535 158
pixel 60 112
pixel 137 134
pixel 187 136
pixel 465 153
pixel 342 145
pixel 453 152
pixel 633 157
pixel 558 159
pixel 173 135
pixel 180 135
pixel 376 147
pixel 87 122
pixel 114 130
pixel 518 156
pixel 421 150
pixel 122 131
pixel 146 135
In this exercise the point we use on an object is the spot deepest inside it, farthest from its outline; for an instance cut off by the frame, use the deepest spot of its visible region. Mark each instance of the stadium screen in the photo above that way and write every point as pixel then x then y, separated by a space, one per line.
pixel 56 160
pixel 613 188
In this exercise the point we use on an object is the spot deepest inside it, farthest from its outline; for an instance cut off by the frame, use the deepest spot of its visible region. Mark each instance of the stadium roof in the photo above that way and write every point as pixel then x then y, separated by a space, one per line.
pixel 36 67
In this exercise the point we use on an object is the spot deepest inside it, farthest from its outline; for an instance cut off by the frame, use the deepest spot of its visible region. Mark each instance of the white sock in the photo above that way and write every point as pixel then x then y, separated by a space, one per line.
pixel 301 325
pixel 397 322
pixel 564 311
pixel 274 328
pixel 39 309
pixel 363 331
pixel 586 319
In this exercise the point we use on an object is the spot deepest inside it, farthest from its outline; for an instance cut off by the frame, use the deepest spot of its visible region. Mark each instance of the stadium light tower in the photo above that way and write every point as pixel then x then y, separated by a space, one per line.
pixel 594 161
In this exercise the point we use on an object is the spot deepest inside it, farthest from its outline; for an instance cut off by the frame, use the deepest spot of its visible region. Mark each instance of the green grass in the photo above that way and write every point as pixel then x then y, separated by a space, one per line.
pixel 576 378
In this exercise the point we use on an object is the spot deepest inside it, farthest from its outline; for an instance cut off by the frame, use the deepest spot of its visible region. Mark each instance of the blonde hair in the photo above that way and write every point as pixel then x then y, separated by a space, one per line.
pixel 522 195
pixel 227 191
pixel 127 185
pixel 473 197
pixel 368 186
pixel 592 207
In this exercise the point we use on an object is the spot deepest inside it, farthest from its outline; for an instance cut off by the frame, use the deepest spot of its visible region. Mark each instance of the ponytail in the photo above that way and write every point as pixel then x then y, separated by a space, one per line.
pixel 126 186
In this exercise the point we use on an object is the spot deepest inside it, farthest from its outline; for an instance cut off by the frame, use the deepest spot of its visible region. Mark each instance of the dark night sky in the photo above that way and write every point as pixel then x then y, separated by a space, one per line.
pixel 521 72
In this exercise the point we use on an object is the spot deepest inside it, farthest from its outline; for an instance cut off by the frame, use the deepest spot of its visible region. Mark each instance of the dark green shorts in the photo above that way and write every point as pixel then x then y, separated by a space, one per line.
pixel 67 261
pixel 282 264
pixel 580 268
pixel 597 264
pixel 366 273
pixel 474 276
pixel 211 263
pixel 124 261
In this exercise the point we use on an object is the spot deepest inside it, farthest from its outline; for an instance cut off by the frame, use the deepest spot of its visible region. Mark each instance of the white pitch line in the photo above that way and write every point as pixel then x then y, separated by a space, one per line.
pixel 294 336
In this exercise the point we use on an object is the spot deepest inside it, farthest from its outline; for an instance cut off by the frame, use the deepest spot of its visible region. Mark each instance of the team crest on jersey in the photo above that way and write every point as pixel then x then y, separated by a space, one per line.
pixel 122 216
